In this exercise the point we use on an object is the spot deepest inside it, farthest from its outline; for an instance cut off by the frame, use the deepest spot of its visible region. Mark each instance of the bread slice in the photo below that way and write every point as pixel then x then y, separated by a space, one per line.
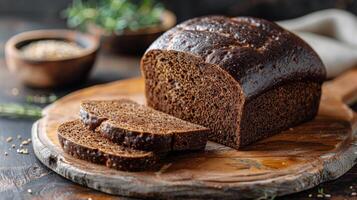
pixel 82 143
pixel 139 127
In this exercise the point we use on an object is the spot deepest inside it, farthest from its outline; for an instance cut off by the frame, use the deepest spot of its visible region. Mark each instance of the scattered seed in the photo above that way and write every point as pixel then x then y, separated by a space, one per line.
pixel 25 142
pixel 351 187
pixel 310 195
pixel 328 195
pixel 6 153
pixel 9 139
pixel 29 191
pixel 19 137
pixel 13 146
pixel 21 145
pixel 25 151
pixel 22 151
pixel 353 194
pixel 15 91
pixel 163 169
pixel 320 196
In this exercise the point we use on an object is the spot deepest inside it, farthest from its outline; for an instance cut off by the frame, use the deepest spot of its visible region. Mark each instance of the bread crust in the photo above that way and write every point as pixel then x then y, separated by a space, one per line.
pixel 125 159
pixel 193 137
pixel 257 53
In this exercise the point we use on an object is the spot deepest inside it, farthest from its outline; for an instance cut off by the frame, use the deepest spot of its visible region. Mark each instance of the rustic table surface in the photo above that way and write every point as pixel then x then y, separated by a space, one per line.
pixel 24 177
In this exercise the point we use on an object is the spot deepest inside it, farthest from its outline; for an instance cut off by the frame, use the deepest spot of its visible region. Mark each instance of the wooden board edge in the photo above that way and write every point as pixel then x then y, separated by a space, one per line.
pixel 330 170
pixel 72 95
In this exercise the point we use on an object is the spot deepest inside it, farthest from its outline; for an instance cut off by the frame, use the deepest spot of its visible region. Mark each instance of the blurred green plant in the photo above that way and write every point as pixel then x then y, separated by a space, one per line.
pixel 114 15
pixel 13 110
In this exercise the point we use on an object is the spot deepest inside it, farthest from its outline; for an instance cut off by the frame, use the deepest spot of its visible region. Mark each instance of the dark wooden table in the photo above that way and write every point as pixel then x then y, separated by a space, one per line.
pixel 20 173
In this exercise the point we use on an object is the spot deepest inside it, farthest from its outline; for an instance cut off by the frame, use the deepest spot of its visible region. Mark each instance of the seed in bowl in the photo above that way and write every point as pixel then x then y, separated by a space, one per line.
pixel 51 50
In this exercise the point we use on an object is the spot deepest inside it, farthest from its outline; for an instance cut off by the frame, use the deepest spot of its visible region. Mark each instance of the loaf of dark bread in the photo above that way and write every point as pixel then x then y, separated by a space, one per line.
pixel 244 78
pixel 80 142
pixel 139 127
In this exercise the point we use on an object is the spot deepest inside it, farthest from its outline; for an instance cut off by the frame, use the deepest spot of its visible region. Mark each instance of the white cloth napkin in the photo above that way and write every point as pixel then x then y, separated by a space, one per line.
pixel 332 34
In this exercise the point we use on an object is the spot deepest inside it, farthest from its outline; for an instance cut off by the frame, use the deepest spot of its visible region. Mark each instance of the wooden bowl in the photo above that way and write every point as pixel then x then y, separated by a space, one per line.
pixel 51 73
pixel 132 42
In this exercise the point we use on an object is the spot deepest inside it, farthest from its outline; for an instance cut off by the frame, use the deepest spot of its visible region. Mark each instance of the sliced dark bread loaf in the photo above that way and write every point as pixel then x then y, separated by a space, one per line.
pixel 82 143
pixel 139 127
pixel 244 78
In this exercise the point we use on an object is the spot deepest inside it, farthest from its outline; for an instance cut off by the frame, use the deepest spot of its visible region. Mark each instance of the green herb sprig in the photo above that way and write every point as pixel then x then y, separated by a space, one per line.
pixel 13 110
pixel 41 99
pixel 114 15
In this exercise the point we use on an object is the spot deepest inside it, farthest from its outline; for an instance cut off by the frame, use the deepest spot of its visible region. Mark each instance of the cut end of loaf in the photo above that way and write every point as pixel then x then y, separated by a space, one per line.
pixel 185 86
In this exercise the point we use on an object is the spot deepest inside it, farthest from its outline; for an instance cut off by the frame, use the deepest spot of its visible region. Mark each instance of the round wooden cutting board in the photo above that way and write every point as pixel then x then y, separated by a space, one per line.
pixel 292 161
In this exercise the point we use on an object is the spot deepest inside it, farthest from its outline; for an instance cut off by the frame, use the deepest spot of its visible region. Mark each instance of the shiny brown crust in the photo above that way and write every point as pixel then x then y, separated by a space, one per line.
pixel 110 119
pixel 276 76
pixel 257 53
pixel 84 144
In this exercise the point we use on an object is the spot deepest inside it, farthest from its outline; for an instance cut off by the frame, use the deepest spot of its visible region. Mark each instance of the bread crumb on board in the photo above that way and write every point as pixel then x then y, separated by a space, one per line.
pixel 9 139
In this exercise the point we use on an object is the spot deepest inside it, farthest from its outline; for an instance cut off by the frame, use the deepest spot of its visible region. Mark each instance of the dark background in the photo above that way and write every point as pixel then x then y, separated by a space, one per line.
pixel 18 173
pixel 49 10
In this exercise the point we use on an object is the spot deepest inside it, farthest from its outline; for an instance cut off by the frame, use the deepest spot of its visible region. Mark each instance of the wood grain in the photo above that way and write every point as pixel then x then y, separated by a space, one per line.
pixel 295 160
